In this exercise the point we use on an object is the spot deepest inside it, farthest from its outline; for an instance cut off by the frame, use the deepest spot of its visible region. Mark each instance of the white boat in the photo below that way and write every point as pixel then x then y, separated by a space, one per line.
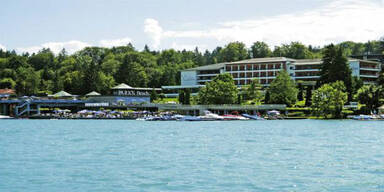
pixel 234 117
pixel 363 117
pixel 5 117
pixel 209 116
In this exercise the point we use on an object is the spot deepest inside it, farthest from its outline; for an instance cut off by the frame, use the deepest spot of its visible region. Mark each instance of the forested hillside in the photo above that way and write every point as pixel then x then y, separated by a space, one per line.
pixel 98 69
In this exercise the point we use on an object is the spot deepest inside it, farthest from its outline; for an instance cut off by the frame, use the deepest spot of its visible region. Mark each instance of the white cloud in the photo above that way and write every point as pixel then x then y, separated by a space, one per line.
pixel 73 46
pixel 340 20
pixel 32 49
pixel 2 47
pixel 189 47
pixel 56 47
pixel 115 42
pixel 154 30
pixel 70 46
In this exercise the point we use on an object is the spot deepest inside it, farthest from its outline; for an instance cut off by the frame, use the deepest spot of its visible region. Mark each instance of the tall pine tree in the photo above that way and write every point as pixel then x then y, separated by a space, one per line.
pixel 335 68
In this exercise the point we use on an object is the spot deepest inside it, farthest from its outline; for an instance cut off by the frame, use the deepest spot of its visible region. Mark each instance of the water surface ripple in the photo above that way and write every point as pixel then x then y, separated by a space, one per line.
pixel 107 155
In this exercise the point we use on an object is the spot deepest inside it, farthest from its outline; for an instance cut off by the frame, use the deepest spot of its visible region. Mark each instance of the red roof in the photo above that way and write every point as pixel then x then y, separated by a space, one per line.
pixel 7 91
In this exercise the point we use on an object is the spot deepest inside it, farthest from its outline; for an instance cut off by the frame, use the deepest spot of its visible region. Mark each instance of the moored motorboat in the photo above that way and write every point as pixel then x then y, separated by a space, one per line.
pixel 209 116
pixel 253 117
pixel 190 118
pixel 362 117
pixel 234 117
pixel 5 117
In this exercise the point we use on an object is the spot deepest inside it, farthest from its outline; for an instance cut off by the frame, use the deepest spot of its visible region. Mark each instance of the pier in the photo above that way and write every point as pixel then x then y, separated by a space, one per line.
pixel 26 108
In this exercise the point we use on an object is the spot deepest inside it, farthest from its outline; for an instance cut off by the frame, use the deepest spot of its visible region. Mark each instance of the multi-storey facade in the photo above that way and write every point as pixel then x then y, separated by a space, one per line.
pixel 243 72
pixel 266 70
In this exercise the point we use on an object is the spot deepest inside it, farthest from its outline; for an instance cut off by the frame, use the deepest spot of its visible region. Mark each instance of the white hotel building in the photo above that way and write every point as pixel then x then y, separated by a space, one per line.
pixel 266 69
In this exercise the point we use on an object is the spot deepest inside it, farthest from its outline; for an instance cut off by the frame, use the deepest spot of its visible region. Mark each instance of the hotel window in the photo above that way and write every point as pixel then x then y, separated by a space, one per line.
pixel 262 81
pixel 255 67
pixel 228 68
pixel 242 75
pixel 270 73
pixel 242 82
pixel 249 74
pixel 242 67
pixel 262 74
pixel 248 81
pixel 234 75
pixel 262 67
pixel 255 74
pixel 249 67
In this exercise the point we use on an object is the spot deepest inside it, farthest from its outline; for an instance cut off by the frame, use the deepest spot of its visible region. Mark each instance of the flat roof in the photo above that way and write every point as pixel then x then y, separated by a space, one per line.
pixel 182 86
pixel 308 62
pixel 263 60
pixel 207 67
pixel 125 86
pixel 254 60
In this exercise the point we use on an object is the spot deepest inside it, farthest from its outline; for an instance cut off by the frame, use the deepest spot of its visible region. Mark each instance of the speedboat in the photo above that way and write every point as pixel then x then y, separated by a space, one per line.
pixel 209 116
pixel 363 117
pixel 253 117
pixel 190 118
pixel 234 117
pixel 5 117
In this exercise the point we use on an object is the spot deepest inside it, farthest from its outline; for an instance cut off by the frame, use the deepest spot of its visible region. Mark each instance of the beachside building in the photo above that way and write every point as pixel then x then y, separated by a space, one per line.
pixel 124 94
pixel 243 72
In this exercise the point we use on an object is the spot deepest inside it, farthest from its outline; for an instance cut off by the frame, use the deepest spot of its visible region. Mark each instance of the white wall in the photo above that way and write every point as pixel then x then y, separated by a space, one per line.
pixel 188 78
pixel 355 68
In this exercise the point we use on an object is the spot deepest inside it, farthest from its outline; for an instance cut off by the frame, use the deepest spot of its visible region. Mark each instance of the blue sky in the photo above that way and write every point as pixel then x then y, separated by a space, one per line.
pixel 27 25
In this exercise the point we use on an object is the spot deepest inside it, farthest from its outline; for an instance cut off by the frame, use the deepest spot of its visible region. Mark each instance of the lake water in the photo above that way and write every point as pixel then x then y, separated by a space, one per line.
pixel 108 155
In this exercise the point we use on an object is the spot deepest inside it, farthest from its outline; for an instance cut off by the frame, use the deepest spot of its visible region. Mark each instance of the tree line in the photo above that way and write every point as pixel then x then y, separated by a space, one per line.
pixel 99 69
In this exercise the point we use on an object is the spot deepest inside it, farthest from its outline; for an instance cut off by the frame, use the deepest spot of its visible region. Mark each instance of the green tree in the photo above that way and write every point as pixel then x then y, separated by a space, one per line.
pixel 295 50
pixel 181 97
pixel 329 99
pixel 131 72
pixel 335 68
pixel 221 90
pixel 253 91
pixel 260 50
pixel 27 82
pixel 7 83
pixel 283 89
pixel 308 96
pixel 370 96
pixel 153 95
pixel 234 51
pixel 300 96
pixel 187 97
pixel 267 97
pixel 380 80
pixel 110 65
pixel 43 59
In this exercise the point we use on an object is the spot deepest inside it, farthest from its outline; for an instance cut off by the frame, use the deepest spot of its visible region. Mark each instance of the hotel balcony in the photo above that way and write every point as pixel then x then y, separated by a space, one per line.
pixel 207 75
pixel 306 77
pixel 369 69
pixel 258 70
pixel 204 80
pixel 250 78
pixel 306 70
pixel 370 76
